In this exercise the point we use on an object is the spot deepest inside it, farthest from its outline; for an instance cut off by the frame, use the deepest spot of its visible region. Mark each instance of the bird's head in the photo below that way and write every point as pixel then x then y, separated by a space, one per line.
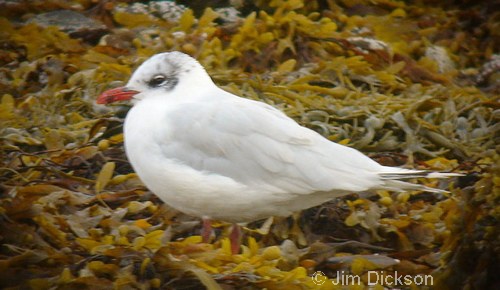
pixel 162 73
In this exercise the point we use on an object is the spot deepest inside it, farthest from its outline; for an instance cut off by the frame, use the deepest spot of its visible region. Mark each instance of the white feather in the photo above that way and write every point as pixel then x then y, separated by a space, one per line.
pixel 212 154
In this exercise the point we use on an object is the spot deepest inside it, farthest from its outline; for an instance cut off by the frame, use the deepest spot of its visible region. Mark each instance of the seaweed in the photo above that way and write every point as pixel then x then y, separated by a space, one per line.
pixel 409 83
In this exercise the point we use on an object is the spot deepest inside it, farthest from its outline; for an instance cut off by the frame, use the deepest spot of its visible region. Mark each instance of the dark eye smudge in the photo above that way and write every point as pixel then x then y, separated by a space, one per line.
pixel 172 82
pixel 157 81
pixel 168 83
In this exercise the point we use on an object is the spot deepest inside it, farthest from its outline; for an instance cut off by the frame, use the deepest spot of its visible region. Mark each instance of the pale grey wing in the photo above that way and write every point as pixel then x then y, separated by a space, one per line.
pixel 255 144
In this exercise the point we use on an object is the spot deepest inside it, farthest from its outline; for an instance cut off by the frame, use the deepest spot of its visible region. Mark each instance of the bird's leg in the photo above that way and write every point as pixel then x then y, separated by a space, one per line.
pixel 235 239
pixel 206 230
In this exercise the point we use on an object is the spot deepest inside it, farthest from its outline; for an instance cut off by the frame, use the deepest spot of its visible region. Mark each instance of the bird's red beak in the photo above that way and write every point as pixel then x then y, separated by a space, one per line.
pixel 115 95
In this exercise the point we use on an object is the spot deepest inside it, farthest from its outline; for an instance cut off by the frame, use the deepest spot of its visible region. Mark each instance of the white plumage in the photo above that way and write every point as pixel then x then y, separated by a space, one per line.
pixel 209 153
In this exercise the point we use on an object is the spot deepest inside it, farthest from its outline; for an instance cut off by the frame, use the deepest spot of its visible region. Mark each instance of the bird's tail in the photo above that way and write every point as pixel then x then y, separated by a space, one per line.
pixel 393 176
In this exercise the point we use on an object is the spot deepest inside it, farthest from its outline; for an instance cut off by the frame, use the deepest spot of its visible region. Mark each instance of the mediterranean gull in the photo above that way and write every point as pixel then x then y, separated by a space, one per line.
pixel 214 155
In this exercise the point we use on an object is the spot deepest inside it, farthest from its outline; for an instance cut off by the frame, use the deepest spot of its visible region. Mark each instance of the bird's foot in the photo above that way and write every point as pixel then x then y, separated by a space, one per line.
pixel 206 230
pixel 234 235
pixel 235 239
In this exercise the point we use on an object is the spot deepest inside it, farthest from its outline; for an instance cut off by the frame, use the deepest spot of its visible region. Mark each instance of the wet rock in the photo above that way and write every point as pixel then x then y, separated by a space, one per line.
pixel 440 56
pixel 166 10
pixel 73 23
pixel 171 11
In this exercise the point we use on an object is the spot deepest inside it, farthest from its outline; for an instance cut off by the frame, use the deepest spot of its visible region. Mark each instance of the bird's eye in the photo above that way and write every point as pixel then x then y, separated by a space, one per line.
pixel 157 81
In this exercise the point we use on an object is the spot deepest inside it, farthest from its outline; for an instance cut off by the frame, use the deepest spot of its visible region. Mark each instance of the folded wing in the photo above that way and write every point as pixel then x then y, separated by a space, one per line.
pixel 256 144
